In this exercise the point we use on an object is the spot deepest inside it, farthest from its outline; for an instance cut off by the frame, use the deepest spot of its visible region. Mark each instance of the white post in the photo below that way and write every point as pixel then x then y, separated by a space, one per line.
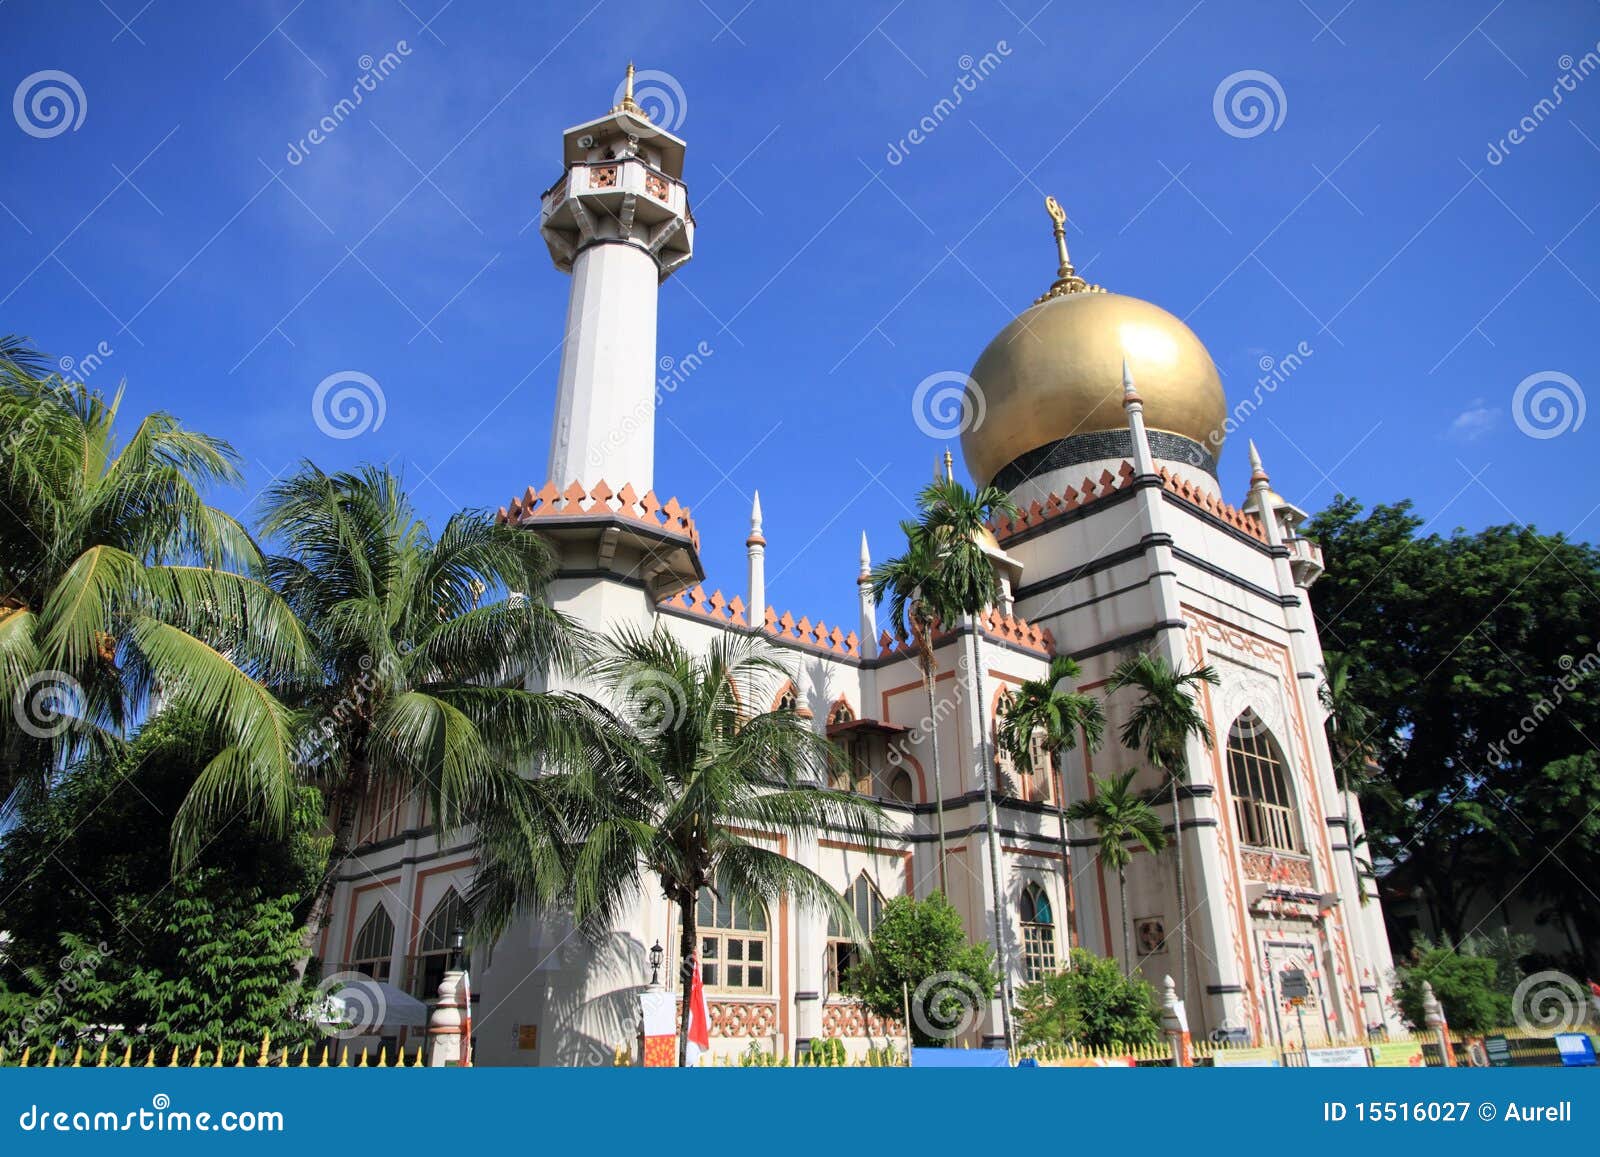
pixel 1433 1015
pixel 445 1021
pixel 869 609
pixel 1175 1024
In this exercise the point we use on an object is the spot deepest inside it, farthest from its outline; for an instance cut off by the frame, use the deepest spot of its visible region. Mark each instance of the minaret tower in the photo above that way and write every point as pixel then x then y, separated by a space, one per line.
pixel 618 221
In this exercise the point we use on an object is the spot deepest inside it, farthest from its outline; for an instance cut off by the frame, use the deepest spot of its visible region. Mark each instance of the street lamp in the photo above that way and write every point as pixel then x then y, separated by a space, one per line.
pixel 657 954
pixel 458 943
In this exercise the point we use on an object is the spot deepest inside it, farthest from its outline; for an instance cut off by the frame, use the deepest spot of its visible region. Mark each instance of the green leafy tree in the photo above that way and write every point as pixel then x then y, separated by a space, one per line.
pixel 1092 1003
pixel 105 945
pixel 946 575
pixel 119 582
pixel 921 948
pixel 1166 717
pixel 1477 656
pixel 1467 984
pixel 1120 816
pixel 421 642
pixel 676 772
pixel 1049 709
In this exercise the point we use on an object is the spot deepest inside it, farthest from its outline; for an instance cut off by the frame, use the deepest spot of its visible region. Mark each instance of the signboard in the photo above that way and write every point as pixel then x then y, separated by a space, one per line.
pixel 527 1037
pixel 1353 1057
pixel 1398 1055
pixel 1262 1058
pixel 1293 984
pixel 1576 1048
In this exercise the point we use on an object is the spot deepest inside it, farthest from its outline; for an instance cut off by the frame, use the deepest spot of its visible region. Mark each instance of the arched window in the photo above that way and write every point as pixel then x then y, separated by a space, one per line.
pixel 734 942
pixel 432 960
pixel 840 713
pixel 788 699
pixel 1262 805
pixel 374 945
pixel 843 953
pixel 901 789
pixel 1038 934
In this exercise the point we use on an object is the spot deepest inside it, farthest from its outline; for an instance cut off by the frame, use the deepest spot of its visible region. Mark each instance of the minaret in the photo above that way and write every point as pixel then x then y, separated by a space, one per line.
pixel 869 609
pixel 618 221
pixel 756 550
pixel 1143 461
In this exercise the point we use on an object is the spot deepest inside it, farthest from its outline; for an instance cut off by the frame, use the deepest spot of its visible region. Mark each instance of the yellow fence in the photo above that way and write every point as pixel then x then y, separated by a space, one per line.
pixel 330 1057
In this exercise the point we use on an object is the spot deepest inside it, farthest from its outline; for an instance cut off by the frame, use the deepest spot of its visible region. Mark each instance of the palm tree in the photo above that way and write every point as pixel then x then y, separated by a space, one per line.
pixel 675 777
pixel 910 583
pixel 1350 724
pixel 1161 726
pixel 418 674
pixel 1049 709
pixel 1120 815
pixel 121 589
pixel 952 576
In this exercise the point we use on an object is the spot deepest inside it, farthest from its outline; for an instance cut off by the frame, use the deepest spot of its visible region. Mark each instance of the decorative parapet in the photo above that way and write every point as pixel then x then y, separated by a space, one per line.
pixel 816 637
pixel 601 500
pixel 1212 505
pixel 1275 868
pixel 1026 635
pixel 716 608
pixel 1038 513
pixel 1000 628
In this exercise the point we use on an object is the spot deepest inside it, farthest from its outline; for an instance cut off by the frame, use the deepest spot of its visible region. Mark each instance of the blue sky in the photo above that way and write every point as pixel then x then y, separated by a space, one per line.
pixel 1368 222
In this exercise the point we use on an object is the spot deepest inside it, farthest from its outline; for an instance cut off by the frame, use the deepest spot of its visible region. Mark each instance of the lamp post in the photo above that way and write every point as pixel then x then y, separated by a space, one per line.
pixel 458 943
pixel 657 955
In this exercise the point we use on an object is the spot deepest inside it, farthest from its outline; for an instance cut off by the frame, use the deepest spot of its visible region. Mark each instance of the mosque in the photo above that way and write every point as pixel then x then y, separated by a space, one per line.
pixel 1104 418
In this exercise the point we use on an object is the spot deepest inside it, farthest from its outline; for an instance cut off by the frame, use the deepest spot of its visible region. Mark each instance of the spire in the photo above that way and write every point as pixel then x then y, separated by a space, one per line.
pixel 756 556
pixel 1143 460
pixel 1130 396
pixel 1067 279
pixel 1258 472
pixel 949 466
pixel 869 609
pixel 755 518
pixel 628 104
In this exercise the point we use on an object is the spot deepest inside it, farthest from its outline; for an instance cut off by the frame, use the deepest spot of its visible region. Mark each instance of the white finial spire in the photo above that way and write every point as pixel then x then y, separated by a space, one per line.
pixel 756 554
pixel 1258 472
pixel 869 609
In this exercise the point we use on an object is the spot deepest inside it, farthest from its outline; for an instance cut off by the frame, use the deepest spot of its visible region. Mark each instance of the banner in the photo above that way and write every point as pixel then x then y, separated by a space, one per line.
pixel 659 1013
pixel 1351 1057
pixel 1256 1058
pixel 1398 1055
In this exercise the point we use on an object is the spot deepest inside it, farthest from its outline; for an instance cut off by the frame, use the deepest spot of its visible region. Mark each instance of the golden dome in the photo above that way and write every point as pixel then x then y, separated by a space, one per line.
pixel 1056 372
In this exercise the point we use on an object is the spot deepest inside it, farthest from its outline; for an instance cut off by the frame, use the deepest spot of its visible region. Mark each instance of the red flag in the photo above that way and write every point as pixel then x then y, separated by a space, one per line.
pixel 699 1017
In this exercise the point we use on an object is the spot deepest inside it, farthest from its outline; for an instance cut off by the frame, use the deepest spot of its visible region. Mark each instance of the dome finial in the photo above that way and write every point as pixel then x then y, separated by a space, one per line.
pixel 949 466
pixel 1258 472
pixel 1067 279
pixel 628 104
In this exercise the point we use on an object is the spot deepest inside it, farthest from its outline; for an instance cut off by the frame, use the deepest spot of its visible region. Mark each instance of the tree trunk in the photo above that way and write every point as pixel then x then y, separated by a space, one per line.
pixel 1127 948
pixel 346 805
pixel 686 950
pixel 1066 862
pixel 986 768
pixel 938 776
pixel 1183 898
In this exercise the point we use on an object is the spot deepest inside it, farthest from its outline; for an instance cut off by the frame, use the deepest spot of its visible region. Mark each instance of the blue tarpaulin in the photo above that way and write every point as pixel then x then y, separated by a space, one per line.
pixel 960 1059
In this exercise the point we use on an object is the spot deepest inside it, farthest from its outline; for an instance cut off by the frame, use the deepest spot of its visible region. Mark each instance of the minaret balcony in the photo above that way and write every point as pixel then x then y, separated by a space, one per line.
pixel 1305 560
pixel 623 199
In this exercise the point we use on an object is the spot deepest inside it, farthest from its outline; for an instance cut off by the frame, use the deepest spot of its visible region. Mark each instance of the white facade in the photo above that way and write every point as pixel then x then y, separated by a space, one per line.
pixel 1115 556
